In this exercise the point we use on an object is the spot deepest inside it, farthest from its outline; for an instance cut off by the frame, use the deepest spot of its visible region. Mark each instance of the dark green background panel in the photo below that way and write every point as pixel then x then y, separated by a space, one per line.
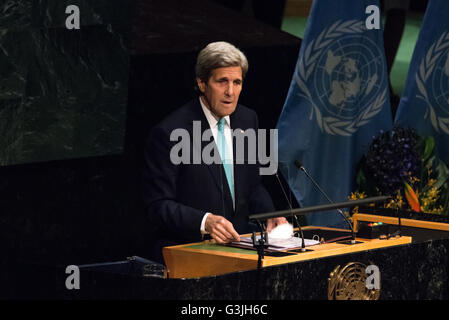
pixel 63 93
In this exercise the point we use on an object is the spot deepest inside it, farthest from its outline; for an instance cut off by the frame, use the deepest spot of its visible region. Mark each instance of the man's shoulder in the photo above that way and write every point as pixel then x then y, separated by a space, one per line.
pixel 244 117
pixel 180 116
pixel 242 110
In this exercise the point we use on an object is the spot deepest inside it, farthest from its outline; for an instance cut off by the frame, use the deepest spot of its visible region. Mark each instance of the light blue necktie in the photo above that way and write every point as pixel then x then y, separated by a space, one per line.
pixel 225 156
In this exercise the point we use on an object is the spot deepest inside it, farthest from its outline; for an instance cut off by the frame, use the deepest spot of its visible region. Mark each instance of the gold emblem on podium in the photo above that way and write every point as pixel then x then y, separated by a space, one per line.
pixel 350 283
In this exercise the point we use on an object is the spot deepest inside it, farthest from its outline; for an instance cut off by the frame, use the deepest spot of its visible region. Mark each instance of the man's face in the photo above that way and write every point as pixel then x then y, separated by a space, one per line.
pixel 221 92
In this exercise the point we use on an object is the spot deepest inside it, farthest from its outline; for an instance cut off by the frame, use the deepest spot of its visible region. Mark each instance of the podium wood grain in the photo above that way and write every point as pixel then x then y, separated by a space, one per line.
pixel 357 217
pixel 204 259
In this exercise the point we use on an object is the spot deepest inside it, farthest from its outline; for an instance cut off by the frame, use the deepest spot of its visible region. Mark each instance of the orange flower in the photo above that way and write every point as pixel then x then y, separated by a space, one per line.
pixel 412 198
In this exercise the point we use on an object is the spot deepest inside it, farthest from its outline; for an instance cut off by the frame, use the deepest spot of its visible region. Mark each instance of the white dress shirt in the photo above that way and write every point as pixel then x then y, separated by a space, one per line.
pixel 213 123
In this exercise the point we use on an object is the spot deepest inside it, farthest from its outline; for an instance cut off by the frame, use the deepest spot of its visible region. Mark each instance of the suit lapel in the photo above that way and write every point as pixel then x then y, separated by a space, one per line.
pixel 236 124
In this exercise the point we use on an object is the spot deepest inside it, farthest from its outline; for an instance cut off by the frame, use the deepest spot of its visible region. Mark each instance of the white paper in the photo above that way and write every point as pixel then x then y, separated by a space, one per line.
pixel 279 244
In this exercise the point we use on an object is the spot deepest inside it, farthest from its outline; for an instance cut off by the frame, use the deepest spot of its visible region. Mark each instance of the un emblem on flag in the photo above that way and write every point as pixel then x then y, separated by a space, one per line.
pixel 432 80
pixel 342 74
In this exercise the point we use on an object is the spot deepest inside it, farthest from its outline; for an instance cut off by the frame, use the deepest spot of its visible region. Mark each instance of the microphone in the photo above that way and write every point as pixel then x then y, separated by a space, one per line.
pixel 303 245
pixel 299 165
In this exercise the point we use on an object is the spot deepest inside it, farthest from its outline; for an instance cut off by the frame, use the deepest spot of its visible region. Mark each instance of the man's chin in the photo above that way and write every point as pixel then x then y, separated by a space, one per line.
pixel 227 110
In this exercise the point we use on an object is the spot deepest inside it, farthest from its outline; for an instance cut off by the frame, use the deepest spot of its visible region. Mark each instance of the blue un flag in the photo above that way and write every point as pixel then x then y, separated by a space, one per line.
pixel 337 102
pixel 424 104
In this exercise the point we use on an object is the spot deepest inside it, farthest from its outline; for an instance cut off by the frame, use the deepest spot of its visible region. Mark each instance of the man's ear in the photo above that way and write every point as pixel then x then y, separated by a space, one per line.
pixel 201 85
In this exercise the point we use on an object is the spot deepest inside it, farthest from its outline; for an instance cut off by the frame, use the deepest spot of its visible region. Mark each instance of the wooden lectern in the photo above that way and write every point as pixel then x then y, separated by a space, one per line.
pixel 202 259
pixel 209 258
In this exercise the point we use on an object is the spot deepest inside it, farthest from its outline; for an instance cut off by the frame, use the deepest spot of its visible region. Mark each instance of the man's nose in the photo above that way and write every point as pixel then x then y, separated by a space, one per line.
pixel 229 89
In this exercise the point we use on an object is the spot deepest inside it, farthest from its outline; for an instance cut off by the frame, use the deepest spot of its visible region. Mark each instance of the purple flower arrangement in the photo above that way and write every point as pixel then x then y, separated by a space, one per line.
pixel 402 164
pixel 392 159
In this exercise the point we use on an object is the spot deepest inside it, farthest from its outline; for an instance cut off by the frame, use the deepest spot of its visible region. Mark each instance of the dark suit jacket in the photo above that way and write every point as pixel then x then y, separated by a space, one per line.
pixel 176 197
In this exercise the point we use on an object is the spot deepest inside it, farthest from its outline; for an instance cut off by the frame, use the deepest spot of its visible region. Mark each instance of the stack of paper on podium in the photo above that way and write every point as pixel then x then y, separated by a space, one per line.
pixel 277 244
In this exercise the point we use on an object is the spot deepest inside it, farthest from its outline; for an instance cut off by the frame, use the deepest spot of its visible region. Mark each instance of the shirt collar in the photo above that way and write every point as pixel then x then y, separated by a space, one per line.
pixel 211 118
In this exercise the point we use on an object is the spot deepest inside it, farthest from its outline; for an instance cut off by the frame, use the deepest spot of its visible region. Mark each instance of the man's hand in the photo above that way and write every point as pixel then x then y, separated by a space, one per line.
pixel 221 229
pixel 274 222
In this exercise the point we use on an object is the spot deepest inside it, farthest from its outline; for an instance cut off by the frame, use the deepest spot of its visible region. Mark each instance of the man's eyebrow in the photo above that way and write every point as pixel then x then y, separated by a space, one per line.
pixel 227 79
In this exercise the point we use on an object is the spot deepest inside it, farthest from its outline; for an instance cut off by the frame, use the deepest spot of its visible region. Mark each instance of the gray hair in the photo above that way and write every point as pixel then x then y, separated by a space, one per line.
pixel 218 55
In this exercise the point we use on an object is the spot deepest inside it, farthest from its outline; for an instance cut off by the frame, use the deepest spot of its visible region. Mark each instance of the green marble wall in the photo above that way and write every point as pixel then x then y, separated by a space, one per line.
pixel 63 93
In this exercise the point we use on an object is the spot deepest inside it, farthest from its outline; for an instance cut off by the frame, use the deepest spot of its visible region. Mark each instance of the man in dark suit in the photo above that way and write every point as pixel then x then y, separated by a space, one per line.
pixel 186 196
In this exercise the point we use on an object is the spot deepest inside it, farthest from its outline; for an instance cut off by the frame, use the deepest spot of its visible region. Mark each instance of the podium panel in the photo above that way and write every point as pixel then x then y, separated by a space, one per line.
pixel 422 224
pixel 203 259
